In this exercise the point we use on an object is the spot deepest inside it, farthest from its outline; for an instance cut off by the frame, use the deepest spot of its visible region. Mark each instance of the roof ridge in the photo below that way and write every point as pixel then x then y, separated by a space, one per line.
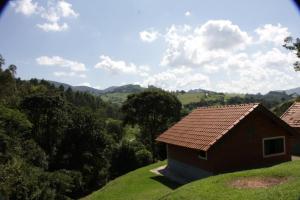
pixel 228 105
pixel 287 110
pixel 255 105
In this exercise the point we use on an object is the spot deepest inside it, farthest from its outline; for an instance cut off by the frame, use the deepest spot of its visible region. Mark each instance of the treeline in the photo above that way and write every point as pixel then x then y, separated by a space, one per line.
pixel 269 100
pixel 59 144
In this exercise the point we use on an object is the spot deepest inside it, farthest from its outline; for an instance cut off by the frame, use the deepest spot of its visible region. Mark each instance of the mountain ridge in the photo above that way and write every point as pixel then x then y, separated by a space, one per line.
pixel 134 88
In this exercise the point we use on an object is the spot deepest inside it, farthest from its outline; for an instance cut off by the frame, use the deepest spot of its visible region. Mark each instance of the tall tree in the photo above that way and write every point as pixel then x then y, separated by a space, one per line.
pixel 153 110
pixel 293 45
pixel 49 117
pixel 2 61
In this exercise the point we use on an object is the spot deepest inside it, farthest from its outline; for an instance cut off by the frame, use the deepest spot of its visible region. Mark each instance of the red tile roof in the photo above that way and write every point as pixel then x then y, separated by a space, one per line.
pixel 292 115
pixel 205 125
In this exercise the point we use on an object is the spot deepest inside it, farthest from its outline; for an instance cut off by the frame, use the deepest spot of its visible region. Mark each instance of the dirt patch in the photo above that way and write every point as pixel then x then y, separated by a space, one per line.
pixel 258 182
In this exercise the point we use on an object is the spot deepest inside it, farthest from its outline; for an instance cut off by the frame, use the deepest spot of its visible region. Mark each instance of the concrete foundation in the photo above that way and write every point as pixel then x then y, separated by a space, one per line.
pixel 188 172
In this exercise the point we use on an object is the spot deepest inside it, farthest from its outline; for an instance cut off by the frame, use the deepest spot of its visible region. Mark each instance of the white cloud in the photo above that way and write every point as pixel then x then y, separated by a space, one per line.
pixel 69 74
pixel 149 35
pixel 97 87
pixel 66 9
pixel 187 13
pixel 61 62
pixel 258 72
pixel 119 66
pixel 53 27
pixel 222 34
pixel 26 7
pixel 212 41
pixel 54 13
pixel 271 33
pixel 85 84
pixel 181 78
pixel 229 57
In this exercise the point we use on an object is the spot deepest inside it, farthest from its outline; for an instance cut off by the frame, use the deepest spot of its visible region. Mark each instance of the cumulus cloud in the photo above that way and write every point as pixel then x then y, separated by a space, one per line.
pixel 54 12
pixel 187 13
pixel 149 35
pixel 258 72
pixel 182 78
pixel 271 33
pixel 222 34
pixel 66 9
pixel 61 62
pixel 214 40
pixel 53 26
pixel 220 52
pixel 85 84
pixel 120 66
pixel 69 74
pixel 26 7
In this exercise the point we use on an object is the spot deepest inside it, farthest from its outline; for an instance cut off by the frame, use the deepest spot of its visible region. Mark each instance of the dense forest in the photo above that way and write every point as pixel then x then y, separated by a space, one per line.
pixel 56 143
pixel 59 144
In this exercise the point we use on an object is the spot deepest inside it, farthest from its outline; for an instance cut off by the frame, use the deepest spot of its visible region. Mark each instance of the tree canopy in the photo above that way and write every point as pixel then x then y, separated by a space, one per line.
pixel 293 45
pixel 153 110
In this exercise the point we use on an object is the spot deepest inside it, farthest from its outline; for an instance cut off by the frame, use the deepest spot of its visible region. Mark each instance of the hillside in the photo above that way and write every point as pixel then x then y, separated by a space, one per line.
pixel 130 88
pixel 293 91
pixel 224 187
pixel 190 99
pixel 138 184
pixel 142 184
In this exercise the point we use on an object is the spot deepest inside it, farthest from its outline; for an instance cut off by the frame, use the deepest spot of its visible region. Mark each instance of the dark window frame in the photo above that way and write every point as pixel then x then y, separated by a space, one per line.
pixel 201 156
pixel 277 153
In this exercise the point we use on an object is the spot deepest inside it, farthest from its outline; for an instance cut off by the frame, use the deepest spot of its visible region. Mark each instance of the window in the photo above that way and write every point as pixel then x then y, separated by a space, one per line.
pixel 274 146
pixel 202 155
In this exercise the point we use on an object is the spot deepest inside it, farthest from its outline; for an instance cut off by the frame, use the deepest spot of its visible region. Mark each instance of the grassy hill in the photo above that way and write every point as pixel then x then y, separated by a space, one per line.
pixel 142 184
pixel 138 184
pixel 184 98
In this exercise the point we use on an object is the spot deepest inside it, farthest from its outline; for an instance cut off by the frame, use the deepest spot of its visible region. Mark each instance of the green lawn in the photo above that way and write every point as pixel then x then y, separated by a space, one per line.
pixel 117 97
pixel 138 184
pixel 142 184
pixel 184 98
pixel 187 98
pixel 219 187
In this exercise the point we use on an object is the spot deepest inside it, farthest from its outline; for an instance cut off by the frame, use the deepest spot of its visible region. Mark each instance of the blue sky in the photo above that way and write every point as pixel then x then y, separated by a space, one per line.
pixel 229 46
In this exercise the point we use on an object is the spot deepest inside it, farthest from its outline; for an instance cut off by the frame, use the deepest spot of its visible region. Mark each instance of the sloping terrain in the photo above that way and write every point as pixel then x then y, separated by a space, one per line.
pixel 138 184
pixel 277 182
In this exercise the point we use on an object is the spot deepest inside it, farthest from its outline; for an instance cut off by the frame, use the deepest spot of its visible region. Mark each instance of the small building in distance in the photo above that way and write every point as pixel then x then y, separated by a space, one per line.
pixel 292 117
pixel 213 140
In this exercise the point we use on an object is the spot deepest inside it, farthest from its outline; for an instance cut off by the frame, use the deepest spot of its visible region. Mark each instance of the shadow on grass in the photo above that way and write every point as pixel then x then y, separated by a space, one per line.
pixel 167 182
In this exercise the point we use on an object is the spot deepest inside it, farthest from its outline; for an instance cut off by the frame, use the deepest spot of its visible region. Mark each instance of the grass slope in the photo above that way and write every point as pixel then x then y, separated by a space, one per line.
pixel 117 97
pixel 218 187
pixel 142 184
pixel 185 98
pixel 138 184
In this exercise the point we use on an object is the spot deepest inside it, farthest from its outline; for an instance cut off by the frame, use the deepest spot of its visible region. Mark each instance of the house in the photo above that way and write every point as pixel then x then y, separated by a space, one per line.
pixel 213 140
pixel 292 117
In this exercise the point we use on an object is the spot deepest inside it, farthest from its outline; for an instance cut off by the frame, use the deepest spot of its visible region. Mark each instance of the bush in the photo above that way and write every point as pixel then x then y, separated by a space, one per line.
pixel 143 157
pixel 128 156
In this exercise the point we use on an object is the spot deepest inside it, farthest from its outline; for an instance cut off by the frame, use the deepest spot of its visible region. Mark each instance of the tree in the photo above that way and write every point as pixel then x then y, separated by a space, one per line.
pixel 49 118
pixel 153 110
pixel 2 62
pixel 115 129
pixel 7 82
pixel 293 45
pixel 128 156
pixel 84 149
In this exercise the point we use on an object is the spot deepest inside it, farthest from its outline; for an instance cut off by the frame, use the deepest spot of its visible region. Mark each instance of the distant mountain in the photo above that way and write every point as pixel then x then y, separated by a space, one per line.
pixel 77 88
pixel 293 91
pixel 199 90
pixel 130 88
